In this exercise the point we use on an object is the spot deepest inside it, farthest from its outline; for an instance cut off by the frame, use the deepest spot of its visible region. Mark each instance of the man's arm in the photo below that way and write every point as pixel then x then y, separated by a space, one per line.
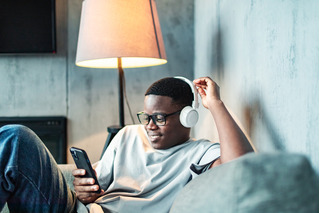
pixel 233 142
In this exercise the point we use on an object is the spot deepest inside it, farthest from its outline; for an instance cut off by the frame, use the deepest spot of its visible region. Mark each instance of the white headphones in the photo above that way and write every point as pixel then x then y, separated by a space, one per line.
pixel 189 115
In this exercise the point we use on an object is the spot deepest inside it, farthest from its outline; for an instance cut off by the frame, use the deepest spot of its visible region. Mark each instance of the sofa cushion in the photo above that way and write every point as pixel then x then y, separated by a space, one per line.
pixel 278 182
pixel 66 170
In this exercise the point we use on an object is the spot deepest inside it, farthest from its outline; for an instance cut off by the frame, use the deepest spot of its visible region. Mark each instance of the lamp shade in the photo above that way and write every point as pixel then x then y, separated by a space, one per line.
pixel 126 29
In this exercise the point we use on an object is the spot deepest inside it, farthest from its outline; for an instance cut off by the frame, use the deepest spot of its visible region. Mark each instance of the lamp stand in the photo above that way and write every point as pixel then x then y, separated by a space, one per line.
pixel 113 130
pixel 121 78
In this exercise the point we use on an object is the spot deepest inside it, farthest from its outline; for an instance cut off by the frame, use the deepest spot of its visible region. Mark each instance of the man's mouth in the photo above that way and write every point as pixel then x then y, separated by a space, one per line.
pixel 154 138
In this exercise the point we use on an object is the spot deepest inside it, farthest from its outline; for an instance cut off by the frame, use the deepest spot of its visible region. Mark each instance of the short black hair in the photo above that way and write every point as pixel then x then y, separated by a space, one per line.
pixel 175 88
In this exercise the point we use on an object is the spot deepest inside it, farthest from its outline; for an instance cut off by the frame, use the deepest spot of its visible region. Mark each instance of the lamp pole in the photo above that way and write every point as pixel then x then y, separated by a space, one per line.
pixel 121 108
pixel 113 130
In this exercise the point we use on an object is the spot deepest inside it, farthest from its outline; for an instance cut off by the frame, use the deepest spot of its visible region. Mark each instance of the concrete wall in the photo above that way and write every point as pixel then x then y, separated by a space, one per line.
pixel 264 55
pixel 34 85
pixel 50 85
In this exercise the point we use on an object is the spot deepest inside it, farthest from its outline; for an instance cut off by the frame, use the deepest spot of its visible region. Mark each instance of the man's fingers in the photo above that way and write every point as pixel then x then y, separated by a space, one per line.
pixel 201 92
pixel 87 189
pixel 85 197
pixel 78 172
pixel 83 181
pixel 202 81
pixel 88 197
pixel 199 82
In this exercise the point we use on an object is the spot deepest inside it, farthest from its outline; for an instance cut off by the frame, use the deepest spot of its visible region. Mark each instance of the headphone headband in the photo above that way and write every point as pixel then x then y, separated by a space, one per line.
pixel 195 103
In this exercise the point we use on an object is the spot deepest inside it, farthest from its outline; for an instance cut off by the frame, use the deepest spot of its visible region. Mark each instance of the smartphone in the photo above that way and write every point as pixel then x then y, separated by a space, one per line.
pixel 82 161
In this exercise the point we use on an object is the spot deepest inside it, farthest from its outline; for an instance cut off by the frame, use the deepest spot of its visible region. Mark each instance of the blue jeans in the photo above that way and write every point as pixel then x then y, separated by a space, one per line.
pixel 30 180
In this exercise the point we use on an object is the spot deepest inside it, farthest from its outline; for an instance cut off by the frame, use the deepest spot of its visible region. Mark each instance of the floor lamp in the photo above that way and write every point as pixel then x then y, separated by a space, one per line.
pixel 119 34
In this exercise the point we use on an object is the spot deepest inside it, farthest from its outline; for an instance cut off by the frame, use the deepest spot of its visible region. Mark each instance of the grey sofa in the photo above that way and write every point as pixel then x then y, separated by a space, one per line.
pixel 253 183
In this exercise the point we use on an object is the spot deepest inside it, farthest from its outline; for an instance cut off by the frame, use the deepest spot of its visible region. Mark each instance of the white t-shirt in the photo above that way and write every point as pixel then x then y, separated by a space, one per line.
pixel 138 178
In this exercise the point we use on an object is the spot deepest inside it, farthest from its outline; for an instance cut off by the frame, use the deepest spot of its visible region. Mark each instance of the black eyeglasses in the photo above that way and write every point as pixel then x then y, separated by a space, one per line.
pixel 158 119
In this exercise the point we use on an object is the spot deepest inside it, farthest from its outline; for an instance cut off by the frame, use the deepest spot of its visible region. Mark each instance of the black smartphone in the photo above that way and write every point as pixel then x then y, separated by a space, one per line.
pixel 82 161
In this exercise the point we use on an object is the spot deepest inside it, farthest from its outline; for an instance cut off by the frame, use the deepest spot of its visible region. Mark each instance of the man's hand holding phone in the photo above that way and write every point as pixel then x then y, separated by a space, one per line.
pixel 85 178
pixel 86 188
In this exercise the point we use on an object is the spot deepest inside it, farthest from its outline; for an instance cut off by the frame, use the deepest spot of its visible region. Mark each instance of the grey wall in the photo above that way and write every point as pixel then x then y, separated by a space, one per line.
pixel 264 55
pixel 32 85
pixel 49 85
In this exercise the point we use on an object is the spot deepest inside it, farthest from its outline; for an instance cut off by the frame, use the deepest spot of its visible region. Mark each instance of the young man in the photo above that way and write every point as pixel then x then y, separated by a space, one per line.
pixel 146 166
pixel 142 170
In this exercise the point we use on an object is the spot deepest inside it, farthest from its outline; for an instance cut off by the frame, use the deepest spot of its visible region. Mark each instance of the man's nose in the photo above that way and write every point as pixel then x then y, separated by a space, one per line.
pixel 152 125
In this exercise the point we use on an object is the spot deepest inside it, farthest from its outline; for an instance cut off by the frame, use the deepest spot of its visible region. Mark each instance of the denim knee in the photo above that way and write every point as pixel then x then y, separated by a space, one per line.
pixel 16 128
pixel 19 132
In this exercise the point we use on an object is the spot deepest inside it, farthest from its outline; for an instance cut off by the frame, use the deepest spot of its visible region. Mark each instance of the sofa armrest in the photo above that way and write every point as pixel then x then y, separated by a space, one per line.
pixel 66 170
pixel 274 182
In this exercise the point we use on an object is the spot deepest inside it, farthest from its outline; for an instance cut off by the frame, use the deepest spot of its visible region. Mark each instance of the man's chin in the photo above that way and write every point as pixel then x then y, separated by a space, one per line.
pixel 157 145
pixel 157 142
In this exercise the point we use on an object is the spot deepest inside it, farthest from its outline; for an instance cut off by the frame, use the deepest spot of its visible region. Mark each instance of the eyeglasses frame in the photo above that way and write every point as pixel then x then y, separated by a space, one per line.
pixel 154 118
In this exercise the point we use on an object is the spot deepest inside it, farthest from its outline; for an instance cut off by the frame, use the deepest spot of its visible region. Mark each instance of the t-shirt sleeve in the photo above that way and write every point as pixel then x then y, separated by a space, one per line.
pixel 105 166
pixel 212 154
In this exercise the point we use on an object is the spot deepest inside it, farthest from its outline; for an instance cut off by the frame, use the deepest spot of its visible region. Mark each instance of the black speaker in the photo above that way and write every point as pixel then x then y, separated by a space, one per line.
pixel 51 130
pixel 27 26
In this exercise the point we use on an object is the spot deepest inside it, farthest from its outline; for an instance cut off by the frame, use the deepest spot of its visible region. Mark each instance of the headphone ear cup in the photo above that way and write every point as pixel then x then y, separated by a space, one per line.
pixel 189 116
